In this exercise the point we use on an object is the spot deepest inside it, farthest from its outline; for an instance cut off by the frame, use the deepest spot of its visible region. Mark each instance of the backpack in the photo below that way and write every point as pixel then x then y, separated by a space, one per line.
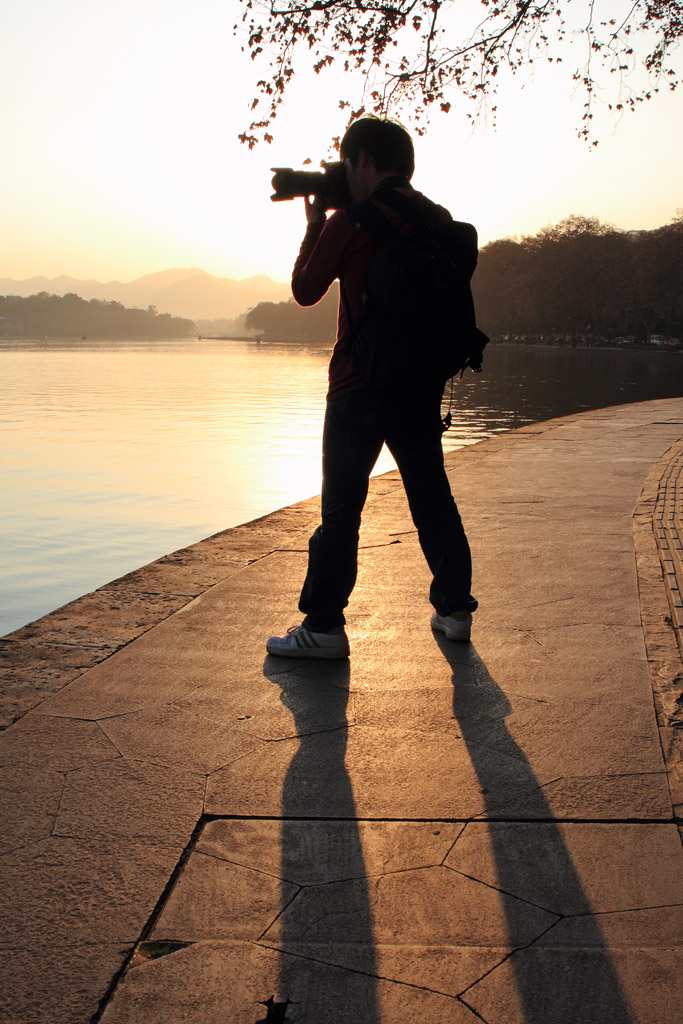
pixel 416 323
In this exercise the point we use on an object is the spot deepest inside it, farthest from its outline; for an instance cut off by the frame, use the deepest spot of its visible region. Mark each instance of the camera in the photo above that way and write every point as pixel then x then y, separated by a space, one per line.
pixel 329 184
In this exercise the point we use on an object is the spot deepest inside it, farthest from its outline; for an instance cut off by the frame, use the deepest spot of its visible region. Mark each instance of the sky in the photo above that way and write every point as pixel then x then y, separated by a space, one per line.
pixel 120 154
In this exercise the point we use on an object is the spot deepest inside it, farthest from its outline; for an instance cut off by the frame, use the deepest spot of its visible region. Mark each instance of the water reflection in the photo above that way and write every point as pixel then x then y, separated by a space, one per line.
pixel 532 861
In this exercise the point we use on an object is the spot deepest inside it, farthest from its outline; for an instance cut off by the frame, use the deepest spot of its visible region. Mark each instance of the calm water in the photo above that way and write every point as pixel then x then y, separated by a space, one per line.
pixel 113 454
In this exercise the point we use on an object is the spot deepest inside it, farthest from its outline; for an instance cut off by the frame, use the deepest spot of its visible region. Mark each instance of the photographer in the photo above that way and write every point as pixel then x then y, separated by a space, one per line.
pixel 377 156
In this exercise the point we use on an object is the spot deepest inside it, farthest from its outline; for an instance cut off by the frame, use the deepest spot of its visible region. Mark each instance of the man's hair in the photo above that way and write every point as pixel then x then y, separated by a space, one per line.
pixel 387 142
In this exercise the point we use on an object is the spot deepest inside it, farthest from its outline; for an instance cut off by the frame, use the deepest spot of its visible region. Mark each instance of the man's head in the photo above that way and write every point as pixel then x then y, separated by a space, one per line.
pixel 373 149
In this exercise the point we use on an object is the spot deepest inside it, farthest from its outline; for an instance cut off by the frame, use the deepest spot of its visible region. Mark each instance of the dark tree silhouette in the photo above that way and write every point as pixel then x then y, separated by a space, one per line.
pixel 278 320
pixel 583 279
pixel 410 55
pixel 578 281
pixel 70 316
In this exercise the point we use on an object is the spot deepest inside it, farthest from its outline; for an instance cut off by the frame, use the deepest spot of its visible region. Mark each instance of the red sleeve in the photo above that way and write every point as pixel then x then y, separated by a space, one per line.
pixel 321 258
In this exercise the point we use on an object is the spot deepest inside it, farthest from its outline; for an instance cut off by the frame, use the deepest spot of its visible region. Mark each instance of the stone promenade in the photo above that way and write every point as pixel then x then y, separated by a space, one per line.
pixel 428 833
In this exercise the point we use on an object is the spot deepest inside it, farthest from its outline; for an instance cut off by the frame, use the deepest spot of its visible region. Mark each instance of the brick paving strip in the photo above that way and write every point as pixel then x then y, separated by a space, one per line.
pixel 669 535
pixel 658 535
pixel 428 832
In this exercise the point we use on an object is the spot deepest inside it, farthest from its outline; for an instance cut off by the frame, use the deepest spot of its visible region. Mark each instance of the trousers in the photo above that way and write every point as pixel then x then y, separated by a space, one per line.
pixel 356 426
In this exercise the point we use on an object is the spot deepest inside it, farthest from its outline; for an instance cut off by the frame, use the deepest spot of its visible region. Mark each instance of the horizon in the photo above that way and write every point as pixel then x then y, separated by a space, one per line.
pixel 261 274
pixel 153 273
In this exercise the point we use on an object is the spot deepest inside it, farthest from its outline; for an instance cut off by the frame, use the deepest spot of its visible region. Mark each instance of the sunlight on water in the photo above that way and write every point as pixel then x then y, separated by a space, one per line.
pixel 114 454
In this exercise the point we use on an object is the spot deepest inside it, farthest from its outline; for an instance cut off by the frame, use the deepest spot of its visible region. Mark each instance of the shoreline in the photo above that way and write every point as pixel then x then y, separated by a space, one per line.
pixel 316 342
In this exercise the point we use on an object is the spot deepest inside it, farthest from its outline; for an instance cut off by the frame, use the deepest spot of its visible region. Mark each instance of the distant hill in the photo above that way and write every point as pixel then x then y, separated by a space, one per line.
pixel 190 293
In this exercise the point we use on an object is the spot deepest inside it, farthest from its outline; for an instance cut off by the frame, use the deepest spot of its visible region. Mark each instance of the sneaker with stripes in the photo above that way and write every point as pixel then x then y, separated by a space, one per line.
pixel 301 642
pixel 456 626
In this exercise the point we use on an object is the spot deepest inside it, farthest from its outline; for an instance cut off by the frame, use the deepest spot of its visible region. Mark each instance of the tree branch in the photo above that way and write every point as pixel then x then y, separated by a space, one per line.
pixel 408 68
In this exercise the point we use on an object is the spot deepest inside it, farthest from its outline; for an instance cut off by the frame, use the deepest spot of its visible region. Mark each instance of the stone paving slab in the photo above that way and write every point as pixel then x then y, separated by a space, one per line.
pixel 57 981
pixel 31 671
pixel 318 853
pixel 622 987
pixel 98 890
pixel 208 983
pixel 27 822
pixel 410 915
pixel 575 869
pixel 195 831
pixel 127 800
pixel 530 987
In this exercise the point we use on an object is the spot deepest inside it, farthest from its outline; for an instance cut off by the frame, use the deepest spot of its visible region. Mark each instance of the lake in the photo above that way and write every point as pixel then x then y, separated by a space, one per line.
pixel 113 454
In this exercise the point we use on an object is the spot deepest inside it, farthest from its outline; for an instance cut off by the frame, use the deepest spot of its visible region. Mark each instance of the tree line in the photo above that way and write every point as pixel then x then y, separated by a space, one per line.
pixel 584 279
pixel 579 280
pixel 70 316
pixel 285 320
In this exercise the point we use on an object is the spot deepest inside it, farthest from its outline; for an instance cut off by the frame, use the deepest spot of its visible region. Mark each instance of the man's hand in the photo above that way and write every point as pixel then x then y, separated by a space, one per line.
pixel 315 211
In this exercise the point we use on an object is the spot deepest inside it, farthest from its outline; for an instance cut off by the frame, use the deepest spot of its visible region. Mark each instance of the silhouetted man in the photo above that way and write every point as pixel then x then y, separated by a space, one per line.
pixel 378 156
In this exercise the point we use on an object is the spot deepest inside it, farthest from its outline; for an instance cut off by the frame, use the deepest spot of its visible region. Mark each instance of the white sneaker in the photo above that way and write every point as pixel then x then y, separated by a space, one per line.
pixel 300 642
pixel 454 628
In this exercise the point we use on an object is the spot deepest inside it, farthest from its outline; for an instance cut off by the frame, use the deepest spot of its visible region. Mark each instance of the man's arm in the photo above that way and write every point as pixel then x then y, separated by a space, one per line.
pixel 320 258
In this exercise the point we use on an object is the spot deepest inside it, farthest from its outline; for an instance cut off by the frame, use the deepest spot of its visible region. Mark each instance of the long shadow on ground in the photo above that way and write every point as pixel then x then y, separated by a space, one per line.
pixel 319 851
pixel 532 861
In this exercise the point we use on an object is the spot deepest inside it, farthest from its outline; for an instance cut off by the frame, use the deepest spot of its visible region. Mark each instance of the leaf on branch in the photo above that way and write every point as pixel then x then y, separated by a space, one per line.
pixel 322 63
pixel 250 140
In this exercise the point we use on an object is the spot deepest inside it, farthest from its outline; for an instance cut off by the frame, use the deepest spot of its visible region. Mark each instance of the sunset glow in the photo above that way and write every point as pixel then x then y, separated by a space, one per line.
pixel 121 157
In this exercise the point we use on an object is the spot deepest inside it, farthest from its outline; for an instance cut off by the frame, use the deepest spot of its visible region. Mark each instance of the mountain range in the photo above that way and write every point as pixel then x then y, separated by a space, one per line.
pixel 191 293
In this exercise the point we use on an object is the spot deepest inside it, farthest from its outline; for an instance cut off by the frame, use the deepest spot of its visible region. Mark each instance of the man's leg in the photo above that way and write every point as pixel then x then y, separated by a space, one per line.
pixel 415 442
pixel 352 441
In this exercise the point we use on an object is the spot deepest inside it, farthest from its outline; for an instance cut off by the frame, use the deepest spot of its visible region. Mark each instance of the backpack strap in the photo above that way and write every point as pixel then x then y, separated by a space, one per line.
pixel 367 214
